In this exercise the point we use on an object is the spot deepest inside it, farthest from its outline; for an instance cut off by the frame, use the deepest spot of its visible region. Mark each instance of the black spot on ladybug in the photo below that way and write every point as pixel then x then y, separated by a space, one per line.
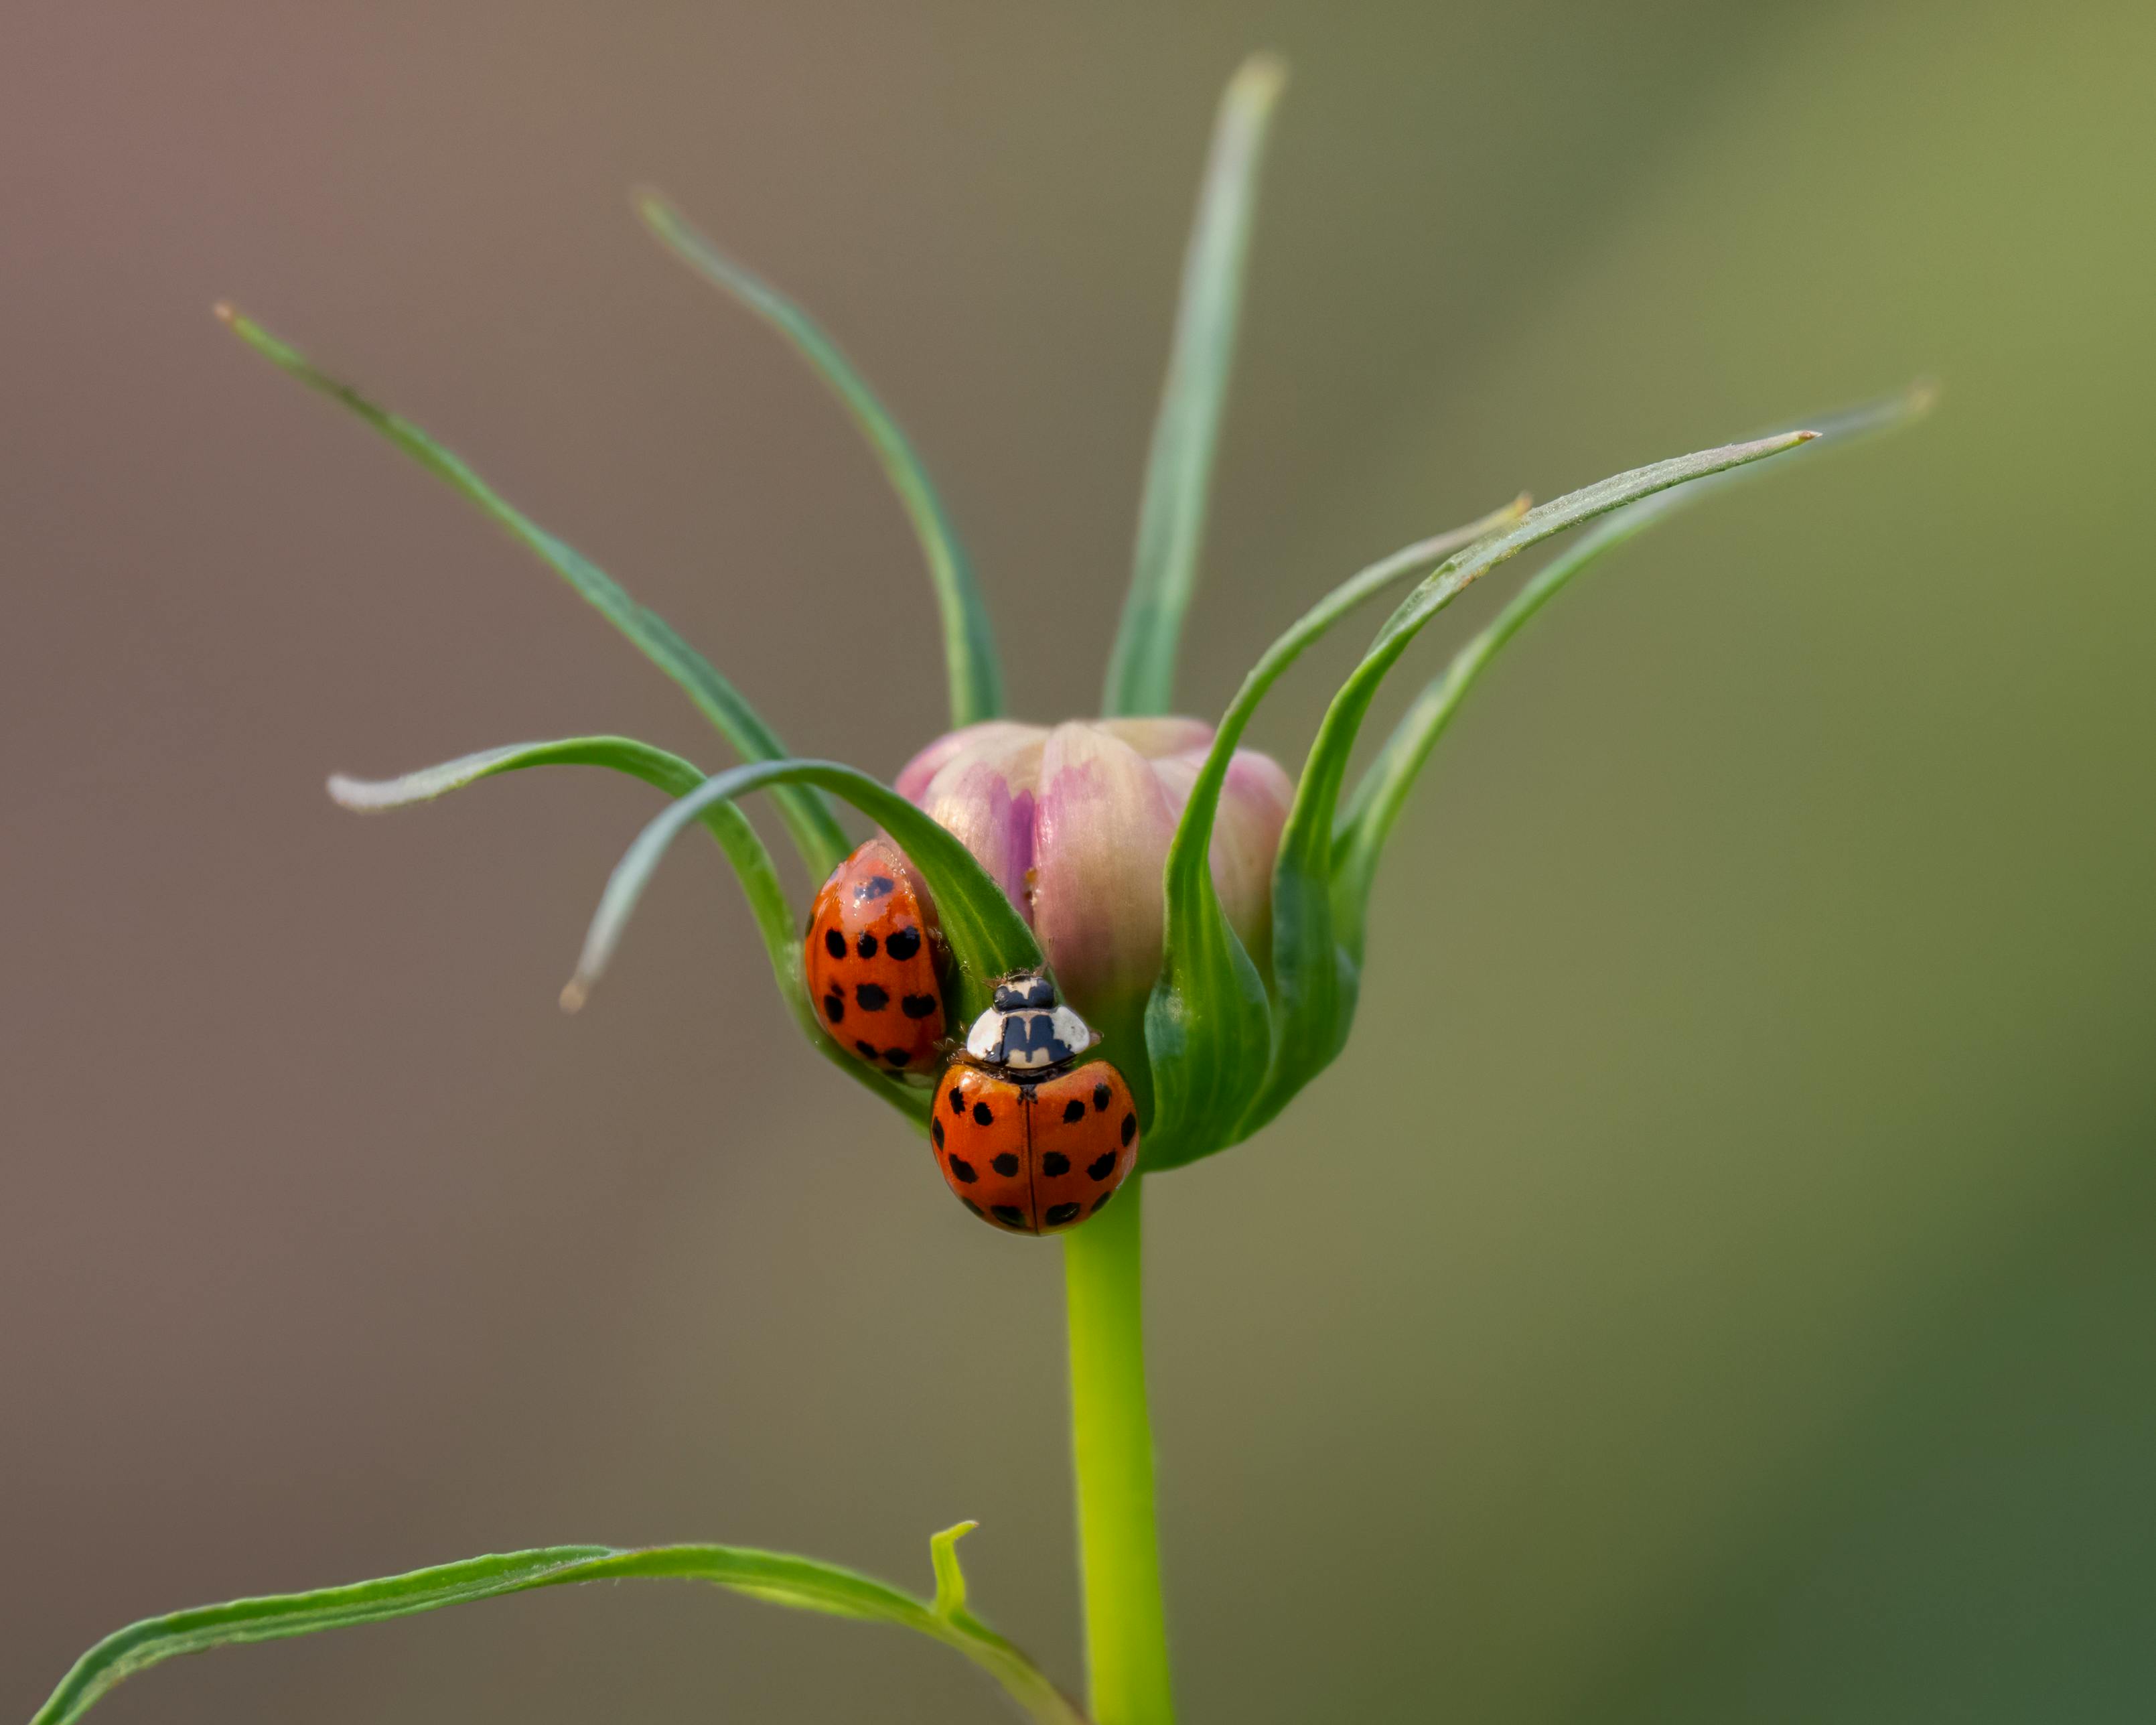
pixel 835 943
pixel 867 1049
pixel 917 1006
pixel 1098 1202
pixel 1130 1127
pixel 957 1100
pixel 876 886
pixel 870 998
pixel 936 1131
pixel 834 1006
pixel 963 1169
pixel 973 1207
pixel 1073 1112
pixel 1101 1166
pixel 902 943
pixel 900 1057
pixel 866 946
pixel 1009 1215
pixel 1055 1162
pixel 1102 1095
pixel 1058 1214
pixel 1005 1164
pixel 983 1115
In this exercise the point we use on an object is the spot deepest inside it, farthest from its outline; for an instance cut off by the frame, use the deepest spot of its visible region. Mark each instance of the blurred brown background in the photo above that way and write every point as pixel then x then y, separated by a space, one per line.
pixel 1746 1313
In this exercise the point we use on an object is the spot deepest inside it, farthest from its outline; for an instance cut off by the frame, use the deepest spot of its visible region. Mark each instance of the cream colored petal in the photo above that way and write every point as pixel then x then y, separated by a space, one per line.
pixel 1157 737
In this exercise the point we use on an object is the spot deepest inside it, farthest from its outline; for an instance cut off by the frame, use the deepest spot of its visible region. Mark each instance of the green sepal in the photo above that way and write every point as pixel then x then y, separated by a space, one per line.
pixel 752 865
pixel 1316 979
pixel 1179 468
pixel 969 646
pixel 816 833
pixel 1208 1024
pixel 987 939
pixel 775 1577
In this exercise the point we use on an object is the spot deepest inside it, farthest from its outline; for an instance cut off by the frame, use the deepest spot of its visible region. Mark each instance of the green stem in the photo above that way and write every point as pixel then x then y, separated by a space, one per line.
pixel 1111 1444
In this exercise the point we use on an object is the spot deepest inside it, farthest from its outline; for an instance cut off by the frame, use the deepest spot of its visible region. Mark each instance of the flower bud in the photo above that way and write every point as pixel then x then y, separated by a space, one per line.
pixel 1074 822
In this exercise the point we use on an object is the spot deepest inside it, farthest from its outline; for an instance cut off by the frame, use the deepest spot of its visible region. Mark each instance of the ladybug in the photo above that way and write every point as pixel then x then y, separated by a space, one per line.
pixel 1028 1134
pixel 870 962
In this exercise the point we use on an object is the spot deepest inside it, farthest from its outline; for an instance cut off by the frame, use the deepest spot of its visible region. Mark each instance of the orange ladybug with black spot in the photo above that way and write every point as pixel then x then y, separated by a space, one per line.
pixel 870 959
pixel 1031 1136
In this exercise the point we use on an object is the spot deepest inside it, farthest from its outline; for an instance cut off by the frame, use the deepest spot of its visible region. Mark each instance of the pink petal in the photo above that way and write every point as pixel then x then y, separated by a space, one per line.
pixel 1253 810
pixel 991 737
pixel 1101 838
pixel 982 793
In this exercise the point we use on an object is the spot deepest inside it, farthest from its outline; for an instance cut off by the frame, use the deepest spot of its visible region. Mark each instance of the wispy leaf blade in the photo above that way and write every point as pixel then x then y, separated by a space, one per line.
pixel 736 838
pixel 774 1577
pixel 821 840
pixel 969 647
pixel 1360 837
pixel 1186 432
pixel 987 937
pixel 1316 979
pixel 1209 1022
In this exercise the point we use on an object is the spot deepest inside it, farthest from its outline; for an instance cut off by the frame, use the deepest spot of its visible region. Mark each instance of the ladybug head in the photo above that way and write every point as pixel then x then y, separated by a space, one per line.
pixel 1025 990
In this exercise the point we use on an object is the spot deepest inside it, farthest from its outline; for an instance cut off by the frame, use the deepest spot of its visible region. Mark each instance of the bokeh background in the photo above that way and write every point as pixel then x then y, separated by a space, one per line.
pixel 1720 1281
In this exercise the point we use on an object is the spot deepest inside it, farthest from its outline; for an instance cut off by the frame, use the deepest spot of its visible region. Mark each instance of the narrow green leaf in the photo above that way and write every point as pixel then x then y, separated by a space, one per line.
pixel 1316 979
pixel 775 919
pixel 1209 1022
pixel 1179 469
pixel 1367 822
pixel 969 647
pixel 772 1576
pixel 816 833
pixel 987 937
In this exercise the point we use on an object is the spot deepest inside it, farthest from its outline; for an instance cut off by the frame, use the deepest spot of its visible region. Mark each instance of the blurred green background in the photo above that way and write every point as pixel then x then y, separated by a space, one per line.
pixel 1720 1281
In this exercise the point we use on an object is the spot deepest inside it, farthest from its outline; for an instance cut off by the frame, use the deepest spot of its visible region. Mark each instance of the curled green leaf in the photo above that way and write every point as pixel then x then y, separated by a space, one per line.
pixel 818 835
pixel 1367 822
pixel 744 849
pixel 1186 432
pixel 969 647
pixel 1208 1024
pixel 1316 979
pixel 775 1577
pixel 950 1601
pixel 987 937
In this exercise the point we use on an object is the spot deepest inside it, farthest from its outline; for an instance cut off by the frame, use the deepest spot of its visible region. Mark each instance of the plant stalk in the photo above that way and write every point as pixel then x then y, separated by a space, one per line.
pixel 1111 1446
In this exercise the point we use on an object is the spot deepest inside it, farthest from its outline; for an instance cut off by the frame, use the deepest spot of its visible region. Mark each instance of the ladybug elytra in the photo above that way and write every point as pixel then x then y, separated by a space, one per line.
pixel 1030 1135
pixel 870 962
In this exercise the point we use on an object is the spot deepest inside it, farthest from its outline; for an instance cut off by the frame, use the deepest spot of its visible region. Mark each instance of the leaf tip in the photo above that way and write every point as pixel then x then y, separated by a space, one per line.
pixel 353 794
pixel 950 1580
pixel 1259 80
pixel 225 312
pixel 575 993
